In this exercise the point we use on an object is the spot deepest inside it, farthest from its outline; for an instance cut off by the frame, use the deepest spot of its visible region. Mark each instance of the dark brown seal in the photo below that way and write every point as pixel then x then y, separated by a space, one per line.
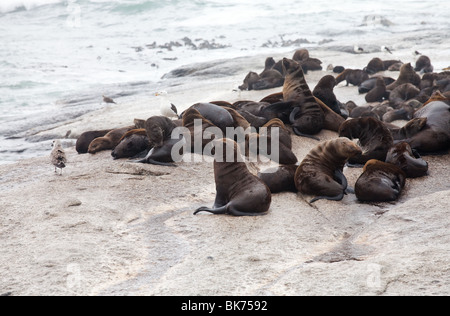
pixel 285 154
pixel 321 172
pixel 307 117
pixel 378 93
pixel 380 182
pixel 324 92
pixel 217 115
pixel 132 143
pixel 407 75
pixel 109 141
pixel 86 138
pixel 302 57
pixel 280 179
pixel 353 76
pixel 423 64
pixel 238 192
pixel 159 129
pixel 435 135
pixel 402 93
pixel 408 160
pixel 374 137
pixel 374 66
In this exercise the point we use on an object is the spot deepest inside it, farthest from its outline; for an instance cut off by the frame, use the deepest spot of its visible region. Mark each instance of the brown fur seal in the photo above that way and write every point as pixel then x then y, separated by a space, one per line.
pixel 109 141
pixel 219 116
pixel 380 182
pixel 132 143
pixel 159 129
pixel 280 179
pixel 407 75
pixel 238 192
pixel 374 138
pixel 189 121
pixel 370 83
pixel 307 117
pixel 352 76
pixel 285 154
pixel 324 92
pixel 378 93
pixel 86 138
pixel 423 64
pixel 410 162
pixel 435 135
pixel 321 172
pixel 374 66
pixel 402 93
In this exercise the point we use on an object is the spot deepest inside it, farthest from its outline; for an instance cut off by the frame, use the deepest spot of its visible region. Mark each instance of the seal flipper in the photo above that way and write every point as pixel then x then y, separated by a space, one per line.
pixel 222 210
pixel 298 133
pixel 331 198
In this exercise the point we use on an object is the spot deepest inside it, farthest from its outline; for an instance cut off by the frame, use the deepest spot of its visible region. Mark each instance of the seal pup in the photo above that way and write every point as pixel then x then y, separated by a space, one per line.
pixel 109 141
pixel 374 66
pixel 378 93
pixel 85 139
pixel 370 83
pixel 380 182
pixel 321 172
pixel 238 192
pixel 423 65
pixel 132 143
pixel 159 129
pixel 408 160
pixel 324 92
pixel 374 138
pixel 58 156
pixel 352 76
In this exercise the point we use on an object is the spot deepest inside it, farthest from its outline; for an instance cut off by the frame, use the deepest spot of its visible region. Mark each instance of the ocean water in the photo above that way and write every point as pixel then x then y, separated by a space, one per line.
pixel 58 56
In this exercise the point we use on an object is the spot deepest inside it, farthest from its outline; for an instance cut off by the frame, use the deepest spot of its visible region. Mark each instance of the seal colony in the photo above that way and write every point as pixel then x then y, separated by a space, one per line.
pixel 389 153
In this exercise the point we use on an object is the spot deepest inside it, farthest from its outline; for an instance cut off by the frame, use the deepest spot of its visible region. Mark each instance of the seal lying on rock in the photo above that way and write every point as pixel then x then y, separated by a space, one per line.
pixel 380 182
pixel 374 138
pixel 410 162
pixel 321 172
pixel 109 141
pixel 238 192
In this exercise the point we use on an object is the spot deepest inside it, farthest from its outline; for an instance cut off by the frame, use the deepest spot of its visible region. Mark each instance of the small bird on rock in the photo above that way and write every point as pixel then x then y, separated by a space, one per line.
pixel 108 100
pixel 58 156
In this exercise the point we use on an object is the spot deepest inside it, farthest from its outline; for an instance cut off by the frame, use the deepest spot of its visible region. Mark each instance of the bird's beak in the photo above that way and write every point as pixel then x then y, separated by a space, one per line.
pixel 157 94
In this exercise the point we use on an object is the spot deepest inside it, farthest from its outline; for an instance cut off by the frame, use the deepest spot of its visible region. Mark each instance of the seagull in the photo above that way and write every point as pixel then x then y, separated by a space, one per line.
pixel 386 49
pixel 58 156
pixel 167 109
pixel 358 50
pixel 108 100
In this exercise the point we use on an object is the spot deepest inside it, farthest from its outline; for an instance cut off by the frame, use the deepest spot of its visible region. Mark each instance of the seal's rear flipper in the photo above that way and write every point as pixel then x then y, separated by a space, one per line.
pixel 298 133
pixel 222 210
pixel 331 198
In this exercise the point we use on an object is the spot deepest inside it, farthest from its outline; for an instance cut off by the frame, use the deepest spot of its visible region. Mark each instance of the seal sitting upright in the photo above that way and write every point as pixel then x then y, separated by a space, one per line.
pixel 238 192
pixel 321 172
